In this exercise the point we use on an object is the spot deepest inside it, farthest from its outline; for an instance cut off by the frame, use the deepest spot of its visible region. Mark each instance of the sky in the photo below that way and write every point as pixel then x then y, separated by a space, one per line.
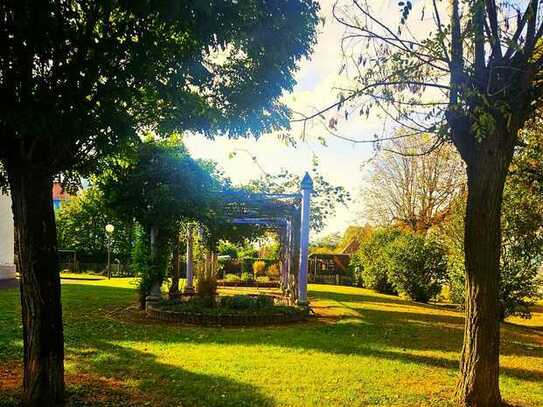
pixel 341 162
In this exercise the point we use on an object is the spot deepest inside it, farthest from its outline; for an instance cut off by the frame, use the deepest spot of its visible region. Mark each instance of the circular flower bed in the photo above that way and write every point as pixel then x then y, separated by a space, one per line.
pixel 228 310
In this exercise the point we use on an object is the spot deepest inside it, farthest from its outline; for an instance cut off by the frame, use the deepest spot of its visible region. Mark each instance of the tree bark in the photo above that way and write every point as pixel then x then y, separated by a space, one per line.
pixel 479 364
pixel 38 265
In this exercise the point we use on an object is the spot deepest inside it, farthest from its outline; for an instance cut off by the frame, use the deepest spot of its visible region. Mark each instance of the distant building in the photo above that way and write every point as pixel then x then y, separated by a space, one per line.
pixel 7 233
pixel 59 195
pixel 7 260
pixel 330 268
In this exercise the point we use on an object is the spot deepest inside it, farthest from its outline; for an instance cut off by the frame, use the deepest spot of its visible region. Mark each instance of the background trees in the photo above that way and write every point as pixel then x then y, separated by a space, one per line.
pixel 324 199
pixel 81 225
pixel 412 183
pixel 78 79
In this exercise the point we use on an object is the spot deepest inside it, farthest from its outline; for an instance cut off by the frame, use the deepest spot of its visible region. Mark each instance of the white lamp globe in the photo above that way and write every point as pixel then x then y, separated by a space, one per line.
pixel 110 228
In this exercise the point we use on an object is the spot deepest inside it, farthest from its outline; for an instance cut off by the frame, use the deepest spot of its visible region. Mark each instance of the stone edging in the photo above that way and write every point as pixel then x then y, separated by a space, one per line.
pixel 224 319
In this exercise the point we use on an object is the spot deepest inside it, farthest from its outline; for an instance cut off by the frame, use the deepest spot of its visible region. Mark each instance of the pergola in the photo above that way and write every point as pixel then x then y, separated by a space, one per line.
pixel 288 214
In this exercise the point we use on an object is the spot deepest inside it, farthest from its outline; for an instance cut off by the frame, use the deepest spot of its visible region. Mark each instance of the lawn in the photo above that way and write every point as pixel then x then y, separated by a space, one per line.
pixel 365 349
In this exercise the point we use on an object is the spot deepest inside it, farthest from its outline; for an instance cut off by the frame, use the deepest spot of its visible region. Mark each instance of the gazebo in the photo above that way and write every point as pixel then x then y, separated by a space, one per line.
pixel 288 215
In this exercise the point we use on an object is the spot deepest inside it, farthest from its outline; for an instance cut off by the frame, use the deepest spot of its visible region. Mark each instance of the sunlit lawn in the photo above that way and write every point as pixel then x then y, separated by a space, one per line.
pixel 366 349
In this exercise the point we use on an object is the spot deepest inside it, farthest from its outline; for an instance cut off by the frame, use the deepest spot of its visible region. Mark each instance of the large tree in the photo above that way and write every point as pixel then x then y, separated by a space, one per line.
pixel 159 185
pixel 78 78
pixel 412 185
pixel 469 71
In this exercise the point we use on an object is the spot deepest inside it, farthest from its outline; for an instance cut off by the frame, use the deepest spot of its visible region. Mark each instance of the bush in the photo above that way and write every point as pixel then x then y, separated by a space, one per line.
pixel 259 267
pixel 373 261
pixel 142 264
pixel 273 271
pixel 246 277
pixel 417 266
pixel 456 279
pixel 206 289
pixel 243 302
pixel 232 278
pixel 228 249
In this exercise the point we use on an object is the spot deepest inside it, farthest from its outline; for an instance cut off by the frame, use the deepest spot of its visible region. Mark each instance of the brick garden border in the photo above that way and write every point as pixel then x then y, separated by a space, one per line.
pixel 155 312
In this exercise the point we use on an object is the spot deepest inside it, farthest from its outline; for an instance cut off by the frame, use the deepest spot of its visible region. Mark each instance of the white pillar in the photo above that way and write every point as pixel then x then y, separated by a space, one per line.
pixel 306 187
pixel 188 283
pixel 7 266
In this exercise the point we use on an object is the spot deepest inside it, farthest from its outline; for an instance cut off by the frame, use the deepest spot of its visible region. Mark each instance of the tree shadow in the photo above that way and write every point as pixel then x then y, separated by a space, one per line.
pixel 164 384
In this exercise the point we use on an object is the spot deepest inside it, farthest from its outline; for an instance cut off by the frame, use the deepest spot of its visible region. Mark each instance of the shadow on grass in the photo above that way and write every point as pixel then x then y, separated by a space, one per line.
pixel 164 384
pixel 387 334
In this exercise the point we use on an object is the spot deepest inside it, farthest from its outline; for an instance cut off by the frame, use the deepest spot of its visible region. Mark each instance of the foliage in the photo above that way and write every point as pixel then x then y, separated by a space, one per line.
pixel 373 260
pixel 240 302
pixel 147 269
pixel 81 223
pixel 273 271
pixel 234 278
pixel 124 66
pixel 353 237
pixel 228 249
pixel 246 277
pixel 324 200
pixel 159 185
pixel 412 185
pixel 325 244
pixel 271 249
pixel 522 249
pixel 248 252
pixel 235 304
pixel 259 267
pixel 206 288
pixel 417 266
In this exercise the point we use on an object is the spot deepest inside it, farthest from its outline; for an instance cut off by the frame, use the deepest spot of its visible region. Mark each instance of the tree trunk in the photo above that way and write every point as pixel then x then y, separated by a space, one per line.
pixel 479 364
pixel 40 286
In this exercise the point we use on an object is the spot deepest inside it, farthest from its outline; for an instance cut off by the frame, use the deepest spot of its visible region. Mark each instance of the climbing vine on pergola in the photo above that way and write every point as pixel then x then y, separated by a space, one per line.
pixel 286 214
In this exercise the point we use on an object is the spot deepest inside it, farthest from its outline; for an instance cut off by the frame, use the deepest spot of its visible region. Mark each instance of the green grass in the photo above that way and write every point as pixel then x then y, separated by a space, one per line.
pixel 366 349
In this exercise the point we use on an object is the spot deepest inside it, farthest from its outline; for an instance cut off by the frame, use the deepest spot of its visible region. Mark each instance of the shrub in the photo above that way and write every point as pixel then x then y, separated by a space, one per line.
pixel 243 302
pixel 142 264
pixel 206 289
pixel 206 284
pixel 456 279
pixel 246 277
pixel 373 261
pixel 259 267
pixel 232 278
pixel 273 271
pixel 228 249
pixel 237 302
pixel 417 266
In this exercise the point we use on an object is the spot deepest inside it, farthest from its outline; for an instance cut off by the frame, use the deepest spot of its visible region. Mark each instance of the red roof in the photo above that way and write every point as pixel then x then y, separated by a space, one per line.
pixel 58 192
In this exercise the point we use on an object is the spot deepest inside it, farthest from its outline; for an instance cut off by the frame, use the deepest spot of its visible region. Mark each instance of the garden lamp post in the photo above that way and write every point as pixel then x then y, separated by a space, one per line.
pixel 109 239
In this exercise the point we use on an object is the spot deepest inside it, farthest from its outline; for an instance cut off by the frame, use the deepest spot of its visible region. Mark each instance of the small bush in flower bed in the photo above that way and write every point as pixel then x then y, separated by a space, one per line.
pixel 231 305
pixel 234 278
